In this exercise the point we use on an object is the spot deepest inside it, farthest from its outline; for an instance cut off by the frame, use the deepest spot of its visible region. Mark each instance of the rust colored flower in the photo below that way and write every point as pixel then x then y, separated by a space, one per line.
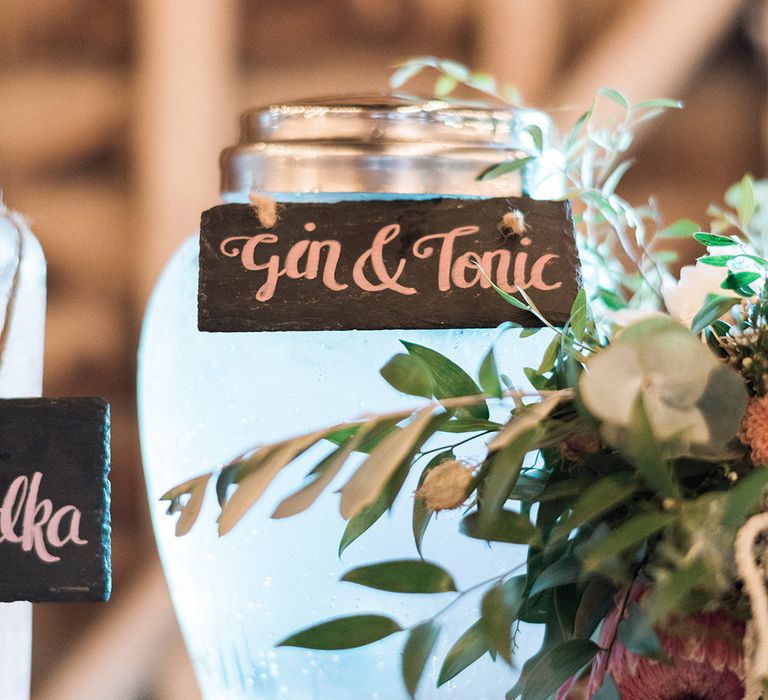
pixel 754 430
pixel 445 487
pixel 706 651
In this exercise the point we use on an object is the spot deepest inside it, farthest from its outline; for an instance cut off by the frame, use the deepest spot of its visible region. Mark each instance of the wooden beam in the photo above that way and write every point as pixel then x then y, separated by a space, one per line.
pixel 651 50
pixel 520 41
pixel 185 116
pixel 119 655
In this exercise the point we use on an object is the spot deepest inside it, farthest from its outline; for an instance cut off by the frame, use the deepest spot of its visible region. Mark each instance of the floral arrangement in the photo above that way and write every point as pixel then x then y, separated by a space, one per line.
pixel 643 510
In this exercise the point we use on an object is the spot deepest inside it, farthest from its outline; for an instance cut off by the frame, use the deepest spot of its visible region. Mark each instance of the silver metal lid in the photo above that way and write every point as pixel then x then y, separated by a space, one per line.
pixel 386 143
pixel 381 118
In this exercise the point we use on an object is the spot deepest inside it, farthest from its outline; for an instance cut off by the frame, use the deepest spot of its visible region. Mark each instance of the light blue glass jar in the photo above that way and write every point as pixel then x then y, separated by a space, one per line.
pixel 206 397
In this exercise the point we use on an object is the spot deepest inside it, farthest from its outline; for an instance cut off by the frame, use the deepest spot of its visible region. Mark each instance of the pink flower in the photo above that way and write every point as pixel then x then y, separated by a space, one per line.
pixel 706 651
pixel 754 429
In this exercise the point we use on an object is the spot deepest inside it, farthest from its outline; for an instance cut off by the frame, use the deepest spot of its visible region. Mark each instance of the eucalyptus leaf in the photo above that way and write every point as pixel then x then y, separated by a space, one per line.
pixel 561 572
pixel 645 452
pixel 631 533
pixel 505 466
pixel 365 485
pixel 744 498
pixel 637 634
pixel 579 315
pixel 683 228
pixel 499 607
pixel 330 466
pixel 466 650
pixel 449 380
pixel 662 103
pixel 612 300
pixel 402 576
pixel 470 425
pixel 711 239
pixel 556 665
pixel 489 376
pixel 600 498
pixel 343 633
pixel 614 95
pixel 253 485
pixel 745 207
pixel 418 648
pixel 195 489
pixel 506 167
pixel 608 690
pixel 408 374
pixel 715 307
pixel 421 514
pixel 506 526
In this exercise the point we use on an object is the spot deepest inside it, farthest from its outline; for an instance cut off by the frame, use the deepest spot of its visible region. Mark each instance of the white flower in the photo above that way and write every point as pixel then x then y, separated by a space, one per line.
pixel 626 317
pixel 685 298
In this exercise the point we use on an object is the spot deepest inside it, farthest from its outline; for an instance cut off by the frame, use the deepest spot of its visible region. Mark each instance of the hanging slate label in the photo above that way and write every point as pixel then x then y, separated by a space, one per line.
pixel 54 500
pixel 376 264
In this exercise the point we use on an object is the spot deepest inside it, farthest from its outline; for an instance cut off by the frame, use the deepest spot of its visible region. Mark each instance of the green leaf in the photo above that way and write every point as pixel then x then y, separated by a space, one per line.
pixel 598 499
pixel 614 95
pixel 365 485
pixel 323 474
pixel 408 374
pixel 255 482
pixel 550 355
pixel 612 300
pixel 499 608
pixel 404 73
pixel 608 690
pixel 361 522
pixel 630 533
pixel 659 103
pixel 505 466
pixel 506 167
pixel 579 315
pixel 421 514
pixel 561 572
pixel 449 380
pixel 195 489
pixel 506 526
pixel 739 282
pixel 645 452
pixel 743 498
pixel 684 228
pixel 637 634
pixel 716 260
pixel 745 207
pixel 613 180
pixel 343 633
pixel 416 653
pixel 467 649
pixel 458 71
pixel 470 425
pixel 445 85
pixel 489 376
pixel 711 239
pixel 595 603
pixel 537 136
pixel 402 576
pixel 556 665
pixel 715 307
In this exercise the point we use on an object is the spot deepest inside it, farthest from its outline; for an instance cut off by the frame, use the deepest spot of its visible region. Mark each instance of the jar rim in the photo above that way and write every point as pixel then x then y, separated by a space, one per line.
pixel 388 118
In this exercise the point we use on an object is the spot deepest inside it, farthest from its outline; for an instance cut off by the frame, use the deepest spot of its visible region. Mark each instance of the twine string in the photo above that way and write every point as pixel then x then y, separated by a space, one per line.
pixel 265 208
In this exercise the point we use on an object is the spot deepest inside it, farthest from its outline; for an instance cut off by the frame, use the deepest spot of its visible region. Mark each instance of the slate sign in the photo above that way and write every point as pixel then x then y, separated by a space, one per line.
pixel 376 264
pixel 54 500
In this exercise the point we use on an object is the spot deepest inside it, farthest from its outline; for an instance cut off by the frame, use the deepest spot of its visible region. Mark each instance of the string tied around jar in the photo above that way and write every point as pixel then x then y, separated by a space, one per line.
pixel 265 208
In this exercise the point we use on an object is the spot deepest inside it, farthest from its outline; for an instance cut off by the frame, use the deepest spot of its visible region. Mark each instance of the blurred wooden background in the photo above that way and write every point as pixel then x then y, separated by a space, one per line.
pixel 113 114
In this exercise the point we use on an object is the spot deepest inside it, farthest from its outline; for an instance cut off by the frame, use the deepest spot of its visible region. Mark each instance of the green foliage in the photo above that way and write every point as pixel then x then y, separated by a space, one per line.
pixel 416 653
pixel 465 651
pixel 343 633
pixel 404 576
